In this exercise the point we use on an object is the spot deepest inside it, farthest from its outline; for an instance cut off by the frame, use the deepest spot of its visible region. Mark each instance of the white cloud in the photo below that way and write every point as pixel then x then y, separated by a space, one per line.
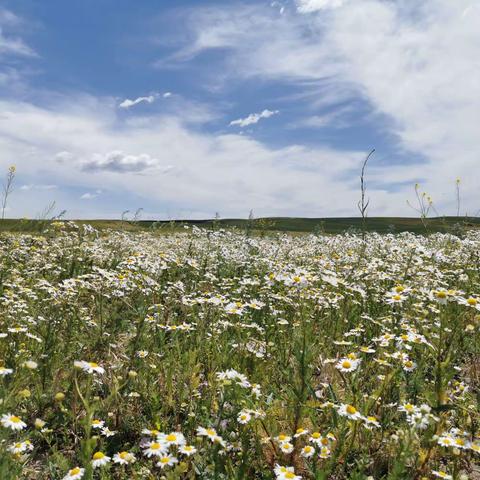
pixel 127 103
pixel 309 6
pixel 410 62
pixel 254 118
pixel 90 195
pixel 206 172
pixel 10 43
pixel 167 94
pixel 33 186
pixel 117 161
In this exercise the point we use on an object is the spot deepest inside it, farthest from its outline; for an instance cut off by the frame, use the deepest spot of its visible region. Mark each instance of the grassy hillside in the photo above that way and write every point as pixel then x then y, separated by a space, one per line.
pixel 285 224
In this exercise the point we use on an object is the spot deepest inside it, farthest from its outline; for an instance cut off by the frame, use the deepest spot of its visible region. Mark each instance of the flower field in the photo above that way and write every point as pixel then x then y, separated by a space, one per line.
pixel 219 355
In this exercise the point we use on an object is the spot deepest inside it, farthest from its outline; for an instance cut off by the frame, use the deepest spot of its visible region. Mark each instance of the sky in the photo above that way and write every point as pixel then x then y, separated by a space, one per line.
pixel 188 108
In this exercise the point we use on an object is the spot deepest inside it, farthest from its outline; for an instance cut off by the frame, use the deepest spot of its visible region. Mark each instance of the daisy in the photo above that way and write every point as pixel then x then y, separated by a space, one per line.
pixel 89 367
pixel 307 451
pixel 409 366
pixel 441 474
pixel 349 411
pixel 20 447
pixel 97 423
pixel 124 458
pixel 300 431
pixel 461 443
pixel 286 447
pixel 106 432
pixel 408 408
pixel 5 371
pixel 315 437
pixel 166 461
pixel 470 302
pixel 30 364
pixel 155 449
pixel 281 438
pixel 244 417
pixel 347 365
pixel 13 422
pixel 188 450
pixel 74 474
pixel 371 422
pixel 475 447
pixel 283 473
pixel 173 438
pixel 99 459
pixel 324 452
pixel 396 298
pixel 445 441
pixel 210 433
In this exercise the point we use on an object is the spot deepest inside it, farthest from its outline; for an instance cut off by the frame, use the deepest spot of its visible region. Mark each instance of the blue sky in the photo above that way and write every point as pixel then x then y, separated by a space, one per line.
pixel 188 108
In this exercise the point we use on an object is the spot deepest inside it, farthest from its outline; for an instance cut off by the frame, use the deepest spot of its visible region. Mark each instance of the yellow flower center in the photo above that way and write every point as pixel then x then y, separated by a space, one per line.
pixel 282 437
pixel 74 471
pixel 351 410
pixel 211 432
pixel 346 364
pixel 171 438
pixel 93 364
pixel 397 298
pixel 123 455
pixel 315 435
pixel 289 475
pixel 155 446
pixel 15 419
pixel 472 301
pixel 441 294
pixel 399 288
pixel 164 459
pixel 98 456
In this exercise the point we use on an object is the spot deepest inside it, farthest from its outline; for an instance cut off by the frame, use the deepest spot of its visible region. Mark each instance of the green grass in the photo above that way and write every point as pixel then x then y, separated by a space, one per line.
pixel 283 224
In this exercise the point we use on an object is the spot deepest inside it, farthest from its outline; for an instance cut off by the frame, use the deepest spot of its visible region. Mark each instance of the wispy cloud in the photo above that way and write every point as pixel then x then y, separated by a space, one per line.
pixel 90 195
pixel 10 42
pixel 127 103
pixel 253 118
pixel 32 186
pixel 309 6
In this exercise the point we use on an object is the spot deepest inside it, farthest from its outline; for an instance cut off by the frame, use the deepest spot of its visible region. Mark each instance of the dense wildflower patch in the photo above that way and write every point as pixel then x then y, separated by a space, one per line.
pixel 217 355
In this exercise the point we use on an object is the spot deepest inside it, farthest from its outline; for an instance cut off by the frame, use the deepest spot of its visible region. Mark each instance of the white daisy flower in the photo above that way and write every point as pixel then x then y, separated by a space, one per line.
pixel 166 461
pixel 99 459
pixel 155 449
pixel 13 422
pixel 124 458
pixel 74 474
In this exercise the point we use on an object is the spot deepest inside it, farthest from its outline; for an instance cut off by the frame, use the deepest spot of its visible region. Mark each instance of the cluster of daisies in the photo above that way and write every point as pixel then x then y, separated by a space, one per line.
pixel 233 341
